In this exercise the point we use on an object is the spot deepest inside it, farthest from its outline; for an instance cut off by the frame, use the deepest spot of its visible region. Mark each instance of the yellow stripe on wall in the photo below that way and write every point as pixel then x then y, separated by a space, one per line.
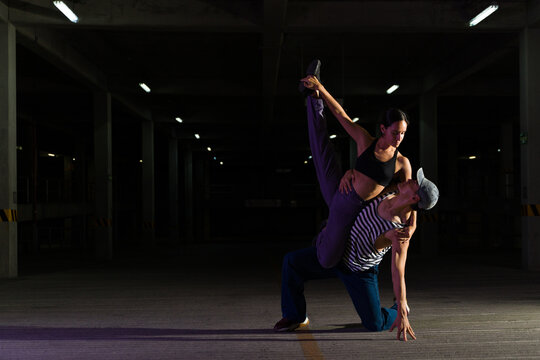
pixel 530 210
pixel 8 215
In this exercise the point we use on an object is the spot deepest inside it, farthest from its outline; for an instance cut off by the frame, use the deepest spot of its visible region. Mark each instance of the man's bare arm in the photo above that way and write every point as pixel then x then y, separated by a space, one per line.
pixel 399 258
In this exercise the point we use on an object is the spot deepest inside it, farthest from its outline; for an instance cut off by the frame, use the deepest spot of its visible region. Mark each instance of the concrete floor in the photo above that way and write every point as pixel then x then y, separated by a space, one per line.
pixel 178 308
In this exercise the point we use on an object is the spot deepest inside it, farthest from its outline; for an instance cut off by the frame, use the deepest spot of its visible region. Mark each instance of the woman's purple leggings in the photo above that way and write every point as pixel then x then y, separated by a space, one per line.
pixel 343 208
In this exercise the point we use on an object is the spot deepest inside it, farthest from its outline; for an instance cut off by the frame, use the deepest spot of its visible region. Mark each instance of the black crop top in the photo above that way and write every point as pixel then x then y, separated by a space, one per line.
pixel 369 165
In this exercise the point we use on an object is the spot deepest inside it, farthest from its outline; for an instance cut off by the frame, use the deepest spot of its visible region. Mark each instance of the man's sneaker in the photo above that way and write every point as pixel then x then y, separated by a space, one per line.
pixel 314 68
pixel 288 325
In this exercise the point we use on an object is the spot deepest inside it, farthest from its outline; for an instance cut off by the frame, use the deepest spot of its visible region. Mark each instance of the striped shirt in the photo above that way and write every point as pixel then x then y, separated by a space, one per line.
pixel 360 253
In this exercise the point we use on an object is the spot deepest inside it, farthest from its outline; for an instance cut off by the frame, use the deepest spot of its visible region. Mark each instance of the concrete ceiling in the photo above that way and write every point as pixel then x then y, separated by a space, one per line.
pixel 230 68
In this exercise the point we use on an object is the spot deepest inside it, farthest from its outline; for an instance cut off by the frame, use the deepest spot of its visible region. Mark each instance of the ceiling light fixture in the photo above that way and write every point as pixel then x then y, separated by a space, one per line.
pixel 333 136
pixel 66 11
pixel 484 14
pixel 472 157
pixel 355 119
pixel 221 163
pixel 145 87
pixel 179 120
pixel 197 136
pixel 209 148
pixel 391 89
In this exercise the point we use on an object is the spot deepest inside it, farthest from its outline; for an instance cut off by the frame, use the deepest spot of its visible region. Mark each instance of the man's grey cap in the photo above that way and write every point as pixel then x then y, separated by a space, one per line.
pixel 428 192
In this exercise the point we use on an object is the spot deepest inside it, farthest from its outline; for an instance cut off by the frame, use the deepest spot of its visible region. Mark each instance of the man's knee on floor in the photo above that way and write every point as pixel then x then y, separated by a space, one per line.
pixel 372 325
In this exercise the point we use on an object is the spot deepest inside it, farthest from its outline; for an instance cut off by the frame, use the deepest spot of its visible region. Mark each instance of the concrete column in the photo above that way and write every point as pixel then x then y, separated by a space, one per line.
pixel 188 191
pixel 506 185
pixel 428 160
pixel 148 190
pixel 103 238
pixel 8 155
pixel 529 69
pixel 173 190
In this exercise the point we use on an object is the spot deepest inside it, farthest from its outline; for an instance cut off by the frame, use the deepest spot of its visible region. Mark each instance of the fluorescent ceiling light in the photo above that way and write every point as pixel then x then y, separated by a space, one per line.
pixel 209 148
pixel 333 136
pixel 391 89
pixel 51 155
pixel 197 136
pixel 144 87
pixel 179 120
pixel 355 119
pixel 472 157
pixel 66 11
pixel 484 14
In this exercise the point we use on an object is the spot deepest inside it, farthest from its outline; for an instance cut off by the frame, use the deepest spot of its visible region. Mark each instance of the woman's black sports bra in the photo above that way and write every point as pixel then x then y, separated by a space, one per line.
pixel 369 165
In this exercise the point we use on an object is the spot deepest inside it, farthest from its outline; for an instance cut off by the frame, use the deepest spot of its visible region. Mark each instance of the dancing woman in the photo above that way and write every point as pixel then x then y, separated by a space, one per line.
pixel 378 162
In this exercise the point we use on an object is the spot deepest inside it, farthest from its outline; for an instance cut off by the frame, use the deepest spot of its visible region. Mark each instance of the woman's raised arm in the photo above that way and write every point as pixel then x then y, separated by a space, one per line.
pixel 355 131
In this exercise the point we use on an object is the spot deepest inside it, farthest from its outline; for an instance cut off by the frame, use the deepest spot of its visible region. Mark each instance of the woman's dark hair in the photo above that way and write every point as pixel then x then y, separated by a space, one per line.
pixel 392 115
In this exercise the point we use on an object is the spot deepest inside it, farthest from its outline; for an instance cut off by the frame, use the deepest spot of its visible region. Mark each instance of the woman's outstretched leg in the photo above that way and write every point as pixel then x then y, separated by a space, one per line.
pixel 343 208
pixel 327 167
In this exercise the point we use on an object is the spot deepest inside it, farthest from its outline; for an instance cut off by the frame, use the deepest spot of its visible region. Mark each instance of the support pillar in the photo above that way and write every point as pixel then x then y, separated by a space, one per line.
pixel 173 191
pixel 188 203
pixel 148 189
pixel 429 237
pixel 8 148
pixel 529 70
pixel 103 239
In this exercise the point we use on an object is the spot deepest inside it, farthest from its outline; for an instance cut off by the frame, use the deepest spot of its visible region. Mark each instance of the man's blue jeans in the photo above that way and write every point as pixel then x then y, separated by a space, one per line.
pixel 302 265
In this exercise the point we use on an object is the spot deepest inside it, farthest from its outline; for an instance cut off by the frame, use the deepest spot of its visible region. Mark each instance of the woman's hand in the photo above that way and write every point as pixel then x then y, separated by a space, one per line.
pixel 346 183
pixel 311 82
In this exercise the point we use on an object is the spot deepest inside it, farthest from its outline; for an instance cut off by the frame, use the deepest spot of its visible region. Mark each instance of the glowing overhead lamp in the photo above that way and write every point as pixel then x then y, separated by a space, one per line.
pixel 66 11
pixel 145 87
pixel 392 88
pixel 179 120
pixel 484 14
